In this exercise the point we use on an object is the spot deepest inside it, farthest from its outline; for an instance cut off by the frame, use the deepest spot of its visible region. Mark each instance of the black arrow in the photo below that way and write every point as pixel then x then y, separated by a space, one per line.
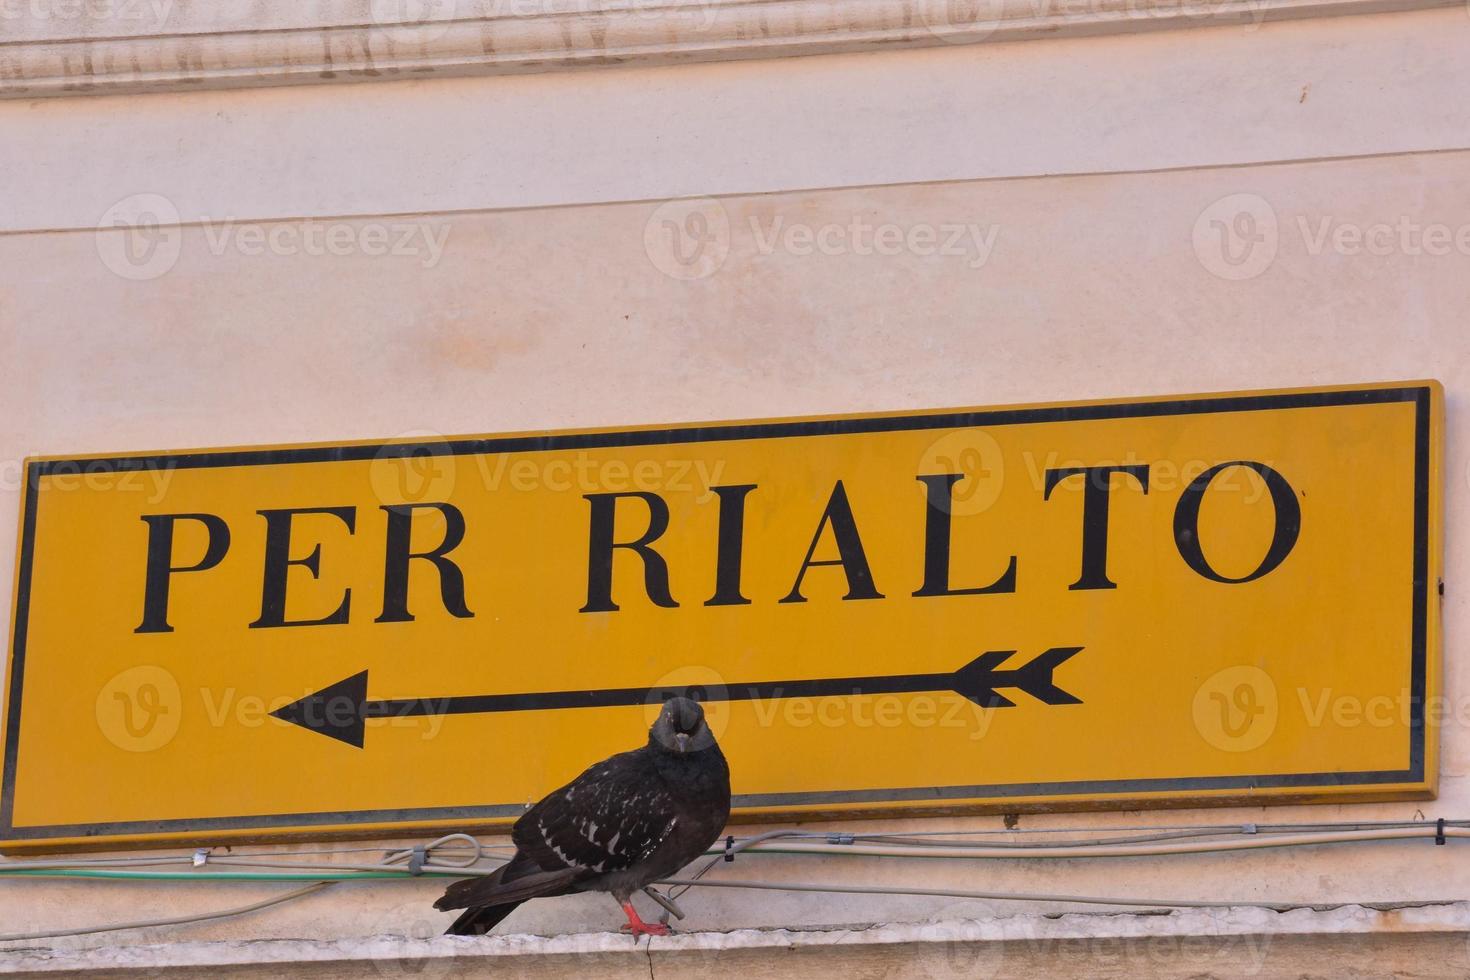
pixel 339 711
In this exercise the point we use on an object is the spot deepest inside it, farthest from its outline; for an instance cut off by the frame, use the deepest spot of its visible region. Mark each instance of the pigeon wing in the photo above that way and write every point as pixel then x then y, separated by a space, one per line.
pixel 607 819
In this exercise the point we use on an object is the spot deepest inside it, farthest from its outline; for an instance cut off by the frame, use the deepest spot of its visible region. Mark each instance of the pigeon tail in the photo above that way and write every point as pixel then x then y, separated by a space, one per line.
pixel 505 888
pixel 479 921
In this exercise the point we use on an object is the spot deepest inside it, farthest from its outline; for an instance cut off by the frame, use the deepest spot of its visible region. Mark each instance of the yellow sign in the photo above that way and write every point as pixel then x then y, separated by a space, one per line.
pixel 1211 599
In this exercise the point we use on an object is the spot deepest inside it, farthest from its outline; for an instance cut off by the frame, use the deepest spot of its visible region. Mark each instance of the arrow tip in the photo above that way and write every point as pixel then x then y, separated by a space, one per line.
pixel 335 711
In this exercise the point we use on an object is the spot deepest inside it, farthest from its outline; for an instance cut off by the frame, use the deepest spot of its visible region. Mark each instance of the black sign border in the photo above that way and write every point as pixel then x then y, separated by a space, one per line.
pixel 1420 395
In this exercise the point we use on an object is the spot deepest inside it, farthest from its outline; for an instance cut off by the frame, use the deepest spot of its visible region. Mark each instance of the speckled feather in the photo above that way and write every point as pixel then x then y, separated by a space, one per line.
pixel 607 819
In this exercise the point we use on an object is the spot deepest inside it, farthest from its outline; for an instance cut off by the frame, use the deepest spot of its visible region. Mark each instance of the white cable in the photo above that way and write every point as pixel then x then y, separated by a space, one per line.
pixel 1009 897
pixel 177 921
pixel 1111 850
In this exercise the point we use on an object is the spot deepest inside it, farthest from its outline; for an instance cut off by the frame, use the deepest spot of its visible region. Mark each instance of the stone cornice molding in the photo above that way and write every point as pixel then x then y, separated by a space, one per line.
pixel 101 47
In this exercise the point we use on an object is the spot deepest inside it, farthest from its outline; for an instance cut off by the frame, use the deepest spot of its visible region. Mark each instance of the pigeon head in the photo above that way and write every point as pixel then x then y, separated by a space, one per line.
pixel 681 727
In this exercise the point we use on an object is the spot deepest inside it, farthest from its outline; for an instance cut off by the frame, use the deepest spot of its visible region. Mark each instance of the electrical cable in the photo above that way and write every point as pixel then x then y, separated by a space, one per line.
pixel 687 883
pixel 434 861
pixel 390 859
pixel 1260 835
pixel 1019 844
pixel 796 842
pixel 176 921
pixel 1235 828
pixel 735 847
pixel 1123 850
pixel 131 875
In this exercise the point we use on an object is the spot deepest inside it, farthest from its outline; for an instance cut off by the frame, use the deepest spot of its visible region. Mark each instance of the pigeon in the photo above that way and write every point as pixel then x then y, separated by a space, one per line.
pixel 625 823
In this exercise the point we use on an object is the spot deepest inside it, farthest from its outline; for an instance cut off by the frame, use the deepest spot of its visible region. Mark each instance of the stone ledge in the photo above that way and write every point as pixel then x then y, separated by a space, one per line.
pixel 1232 941
pixel 189 46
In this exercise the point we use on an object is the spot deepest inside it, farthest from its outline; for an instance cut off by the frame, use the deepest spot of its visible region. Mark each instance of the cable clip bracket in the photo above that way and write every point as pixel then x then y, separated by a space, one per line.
pixel 201 857
pixel 729 849
pixel 416 860
pixel 836 838
pixel 1439 831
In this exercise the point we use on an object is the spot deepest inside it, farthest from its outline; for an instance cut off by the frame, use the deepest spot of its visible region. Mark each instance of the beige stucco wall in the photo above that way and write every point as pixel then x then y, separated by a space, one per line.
pixel 506 314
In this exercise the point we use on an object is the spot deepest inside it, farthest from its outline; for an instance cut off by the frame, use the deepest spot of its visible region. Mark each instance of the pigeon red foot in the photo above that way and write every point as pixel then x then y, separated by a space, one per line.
pixel 638 927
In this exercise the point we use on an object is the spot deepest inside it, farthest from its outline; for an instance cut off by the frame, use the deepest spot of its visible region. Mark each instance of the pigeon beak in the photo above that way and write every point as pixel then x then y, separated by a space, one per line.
pixel 681 742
